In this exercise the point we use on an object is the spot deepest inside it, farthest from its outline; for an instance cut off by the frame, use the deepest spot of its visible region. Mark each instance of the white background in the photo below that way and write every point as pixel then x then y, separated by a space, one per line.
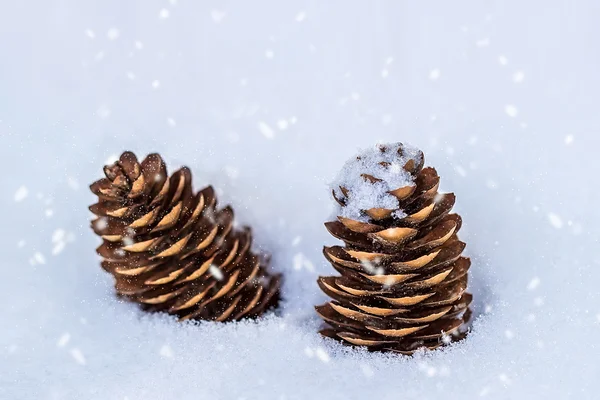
pixel 266 100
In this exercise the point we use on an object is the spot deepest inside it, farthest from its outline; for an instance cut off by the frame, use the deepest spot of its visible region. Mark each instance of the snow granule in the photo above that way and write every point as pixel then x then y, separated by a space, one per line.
pixel 533 284
pixel 485 42
pixel 569 139
pixel 282 124
pixel 163 13
pixel 216 272
pixel 511 110
pixel 21 194
pixel 322 354
pixel 266 130
pixel 103 112
pixel 63 340
pixel 518 76
pixel 217 15
pixel 362 194
pixel 555 220
pixel 434 74
pixel 77 356
pixel 113 34
pixel 166 351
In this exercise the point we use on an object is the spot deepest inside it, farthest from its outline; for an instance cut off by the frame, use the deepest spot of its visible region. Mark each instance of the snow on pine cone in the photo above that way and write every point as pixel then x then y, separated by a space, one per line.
pixel 171 250
pixel 403 279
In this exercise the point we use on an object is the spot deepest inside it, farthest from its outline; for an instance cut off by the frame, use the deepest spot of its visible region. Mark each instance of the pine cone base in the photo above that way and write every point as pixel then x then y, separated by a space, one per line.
pixel 170 249
pixel 403 279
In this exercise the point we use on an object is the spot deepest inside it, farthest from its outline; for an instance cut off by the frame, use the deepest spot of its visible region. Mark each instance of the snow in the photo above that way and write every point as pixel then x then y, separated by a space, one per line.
pixel 385 166
pixel 52 87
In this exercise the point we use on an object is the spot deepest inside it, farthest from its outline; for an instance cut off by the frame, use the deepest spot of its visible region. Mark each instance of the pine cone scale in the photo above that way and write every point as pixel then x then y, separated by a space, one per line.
pixel 171 250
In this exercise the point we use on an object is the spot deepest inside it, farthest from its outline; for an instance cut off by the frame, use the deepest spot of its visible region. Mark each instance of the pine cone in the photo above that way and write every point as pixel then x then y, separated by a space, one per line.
pixel 172 250
pixel 403 279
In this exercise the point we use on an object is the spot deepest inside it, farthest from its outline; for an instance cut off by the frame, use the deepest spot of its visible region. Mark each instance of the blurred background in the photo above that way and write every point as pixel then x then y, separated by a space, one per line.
pixel 266 100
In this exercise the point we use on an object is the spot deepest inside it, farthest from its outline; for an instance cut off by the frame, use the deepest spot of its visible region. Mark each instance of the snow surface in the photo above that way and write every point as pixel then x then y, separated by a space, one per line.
pixel 266 100
pixel 363 193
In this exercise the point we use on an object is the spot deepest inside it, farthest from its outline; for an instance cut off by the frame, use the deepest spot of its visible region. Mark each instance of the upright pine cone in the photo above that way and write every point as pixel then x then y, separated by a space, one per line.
pixel 403 279
pixel 172 250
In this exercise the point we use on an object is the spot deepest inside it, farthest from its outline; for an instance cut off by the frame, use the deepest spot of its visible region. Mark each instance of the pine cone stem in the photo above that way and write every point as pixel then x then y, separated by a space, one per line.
pixel 403 279
pixel 172 250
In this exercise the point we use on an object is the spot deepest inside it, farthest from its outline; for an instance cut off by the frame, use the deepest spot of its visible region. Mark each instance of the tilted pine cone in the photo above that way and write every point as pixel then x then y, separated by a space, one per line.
pixel 171 250
pixel 403 279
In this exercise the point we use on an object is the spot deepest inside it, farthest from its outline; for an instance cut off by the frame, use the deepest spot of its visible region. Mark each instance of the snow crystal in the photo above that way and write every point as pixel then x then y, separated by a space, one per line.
pixel 215 271
pixel 38 258
pixel 217 15
pixel 282 124
pixel 555 220
pixel 21 194
pixel 63 340
pixel 103 112
pixel 518 76
pixel 301 262
pixel 511 110
pixel 266 130
pixel 485 42
pixel 166 351
pixel 113 34
pixel 533 284
pixel 163 13
pixel 363 194
pixel 77 356
pixel 569 139
pixel 322 354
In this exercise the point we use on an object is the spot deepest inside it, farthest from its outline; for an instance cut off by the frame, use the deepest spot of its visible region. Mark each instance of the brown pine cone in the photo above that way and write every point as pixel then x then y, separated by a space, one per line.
pixel 172 250
pixel 403 279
